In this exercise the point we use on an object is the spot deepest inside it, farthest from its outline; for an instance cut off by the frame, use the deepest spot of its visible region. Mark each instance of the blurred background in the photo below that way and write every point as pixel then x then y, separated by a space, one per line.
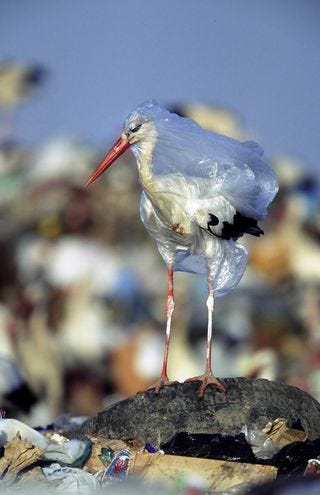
pixel 82 286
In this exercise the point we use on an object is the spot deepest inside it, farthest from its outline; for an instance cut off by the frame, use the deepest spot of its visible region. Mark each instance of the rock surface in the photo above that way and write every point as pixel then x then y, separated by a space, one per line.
pixel 155 418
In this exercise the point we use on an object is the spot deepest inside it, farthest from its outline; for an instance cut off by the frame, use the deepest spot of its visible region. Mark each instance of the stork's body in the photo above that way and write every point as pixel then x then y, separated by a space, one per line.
pixel 201 192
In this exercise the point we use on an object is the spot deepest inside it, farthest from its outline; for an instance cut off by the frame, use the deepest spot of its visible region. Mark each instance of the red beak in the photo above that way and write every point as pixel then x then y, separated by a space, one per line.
pixel 117 149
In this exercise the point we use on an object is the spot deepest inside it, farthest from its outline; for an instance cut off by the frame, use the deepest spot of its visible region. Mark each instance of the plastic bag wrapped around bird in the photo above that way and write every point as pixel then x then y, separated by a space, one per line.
pixel 202 191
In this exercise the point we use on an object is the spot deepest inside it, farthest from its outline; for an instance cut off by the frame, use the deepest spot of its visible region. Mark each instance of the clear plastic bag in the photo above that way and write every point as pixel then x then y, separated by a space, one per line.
pixel 189 174
pixel 9 428
pixel 262 446
pixel 71 480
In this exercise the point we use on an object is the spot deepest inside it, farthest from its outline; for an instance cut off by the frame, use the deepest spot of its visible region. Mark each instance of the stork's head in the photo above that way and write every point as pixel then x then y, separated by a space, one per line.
pixel 138 126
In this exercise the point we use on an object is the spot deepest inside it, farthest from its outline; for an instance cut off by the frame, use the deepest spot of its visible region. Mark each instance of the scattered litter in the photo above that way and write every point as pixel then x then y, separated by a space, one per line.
pixel 189 464
pixel 281 434
pixel 71 453
pixel 216 474
pixel 210 446
pixel 71 480
pixel 18 455
pixel 293 458
pixel 99 458
pixel 149 448
pixel 9 428
pixel 118 469
pixel 313 468
pixel 261 444
pixel 107 454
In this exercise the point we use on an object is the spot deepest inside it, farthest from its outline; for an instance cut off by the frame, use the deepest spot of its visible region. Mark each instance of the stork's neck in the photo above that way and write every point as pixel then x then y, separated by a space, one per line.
pixel 144 154
pixel 144 160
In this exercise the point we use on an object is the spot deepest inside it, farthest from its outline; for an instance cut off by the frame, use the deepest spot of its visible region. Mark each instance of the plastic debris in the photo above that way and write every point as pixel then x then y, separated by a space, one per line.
pixel 57 438
pixel 210 446
pixel 107 454
pixel 9 428
pixel 118 469
pixel 281 434
pixel 71 453
pixel 261 444
pixel 313 468
pixel 149 448
pixel 95 463
pixel 71 480
pixel 292 459
pixel 225 464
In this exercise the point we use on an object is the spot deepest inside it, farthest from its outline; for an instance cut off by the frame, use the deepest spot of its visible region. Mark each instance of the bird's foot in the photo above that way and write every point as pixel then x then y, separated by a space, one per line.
pixel 206 379
pixel 157 385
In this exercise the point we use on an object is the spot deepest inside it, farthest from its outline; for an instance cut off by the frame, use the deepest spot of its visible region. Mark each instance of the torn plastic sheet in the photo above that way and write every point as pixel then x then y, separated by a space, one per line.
pixel 261 444
pixel 71 453
pixel 118 469
pixel 71 480
pixel 293 459
pixel 9 428
pixel 210 446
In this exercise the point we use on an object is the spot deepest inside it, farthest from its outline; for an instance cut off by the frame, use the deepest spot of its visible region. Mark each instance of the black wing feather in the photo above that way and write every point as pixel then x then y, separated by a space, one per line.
pixel 240 225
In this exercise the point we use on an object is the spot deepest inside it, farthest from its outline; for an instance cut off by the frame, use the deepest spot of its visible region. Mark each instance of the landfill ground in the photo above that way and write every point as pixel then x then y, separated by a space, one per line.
pixel 78 455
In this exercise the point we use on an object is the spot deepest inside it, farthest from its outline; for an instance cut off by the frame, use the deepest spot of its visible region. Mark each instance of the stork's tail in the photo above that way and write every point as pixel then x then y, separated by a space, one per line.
pixel 241 225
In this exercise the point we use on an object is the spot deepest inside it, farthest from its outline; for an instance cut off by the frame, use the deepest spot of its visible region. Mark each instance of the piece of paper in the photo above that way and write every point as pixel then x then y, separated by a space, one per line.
pixel 281 434
pixel 217 475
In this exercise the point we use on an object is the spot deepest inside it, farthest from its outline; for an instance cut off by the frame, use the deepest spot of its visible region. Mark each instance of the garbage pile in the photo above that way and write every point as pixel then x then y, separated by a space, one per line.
pixel 197 464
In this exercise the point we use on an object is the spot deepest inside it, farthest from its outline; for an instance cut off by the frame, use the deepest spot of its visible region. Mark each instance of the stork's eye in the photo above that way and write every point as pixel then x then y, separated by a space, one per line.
pixel 135 128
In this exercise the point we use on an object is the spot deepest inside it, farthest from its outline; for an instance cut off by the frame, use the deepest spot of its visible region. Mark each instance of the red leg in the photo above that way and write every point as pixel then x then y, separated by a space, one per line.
pixel 208 377
pixel 163 380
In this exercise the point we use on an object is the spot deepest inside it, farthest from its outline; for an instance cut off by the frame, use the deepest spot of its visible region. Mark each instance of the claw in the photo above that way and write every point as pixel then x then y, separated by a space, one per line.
pixel 157 385
pixel 207 379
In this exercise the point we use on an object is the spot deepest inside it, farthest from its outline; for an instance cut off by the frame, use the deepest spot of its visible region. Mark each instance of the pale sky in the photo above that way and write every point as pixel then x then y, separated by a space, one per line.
pixel 258 57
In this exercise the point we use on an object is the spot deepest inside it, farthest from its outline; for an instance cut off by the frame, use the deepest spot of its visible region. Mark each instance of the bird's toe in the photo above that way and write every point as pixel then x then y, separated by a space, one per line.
pixel 159 384
pixel 207 379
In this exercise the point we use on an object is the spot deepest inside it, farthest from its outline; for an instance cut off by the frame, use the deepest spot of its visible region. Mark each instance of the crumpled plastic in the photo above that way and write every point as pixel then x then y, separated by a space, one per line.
pixel 71 453
pixel 261 444
pixel 210 446
pixel 71 480
pixel 292 459
pixel 9 428
pixel 227 259
pixel 187 174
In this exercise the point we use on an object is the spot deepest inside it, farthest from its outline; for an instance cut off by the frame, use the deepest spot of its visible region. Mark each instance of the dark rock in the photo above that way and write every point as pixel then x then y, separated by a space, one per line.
pixel 155 418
